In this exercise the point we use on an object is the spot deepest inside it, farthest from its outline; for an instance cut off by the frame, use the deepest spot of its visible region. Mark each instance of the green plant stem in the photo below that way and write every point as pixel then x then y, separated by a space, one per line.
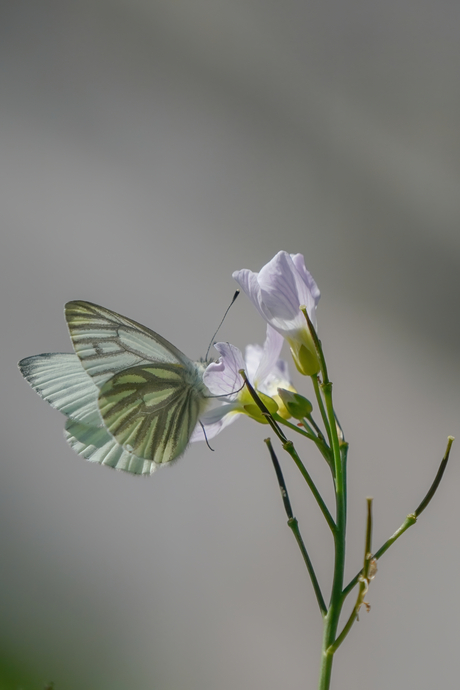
pixel 311 430
pixel 315 426
pixel 432 490
pixel 339 448
pixel 411 519
pixel 289 447
pixel 331 620
pixel 308 434
pixel 320 444
pixel 294 525
pixel 344 452
pixel 363 581
pixel 319 399
pixel 263 408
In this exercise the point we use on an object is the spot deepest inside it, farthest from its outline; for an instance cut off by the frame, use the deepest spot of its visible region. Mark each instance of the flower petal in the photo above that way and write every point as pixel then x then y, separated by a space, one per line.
pixel 222 377
pixel 284 288
pixel 214 421
pixel 271 352
pixel 277 292
pixel 299 263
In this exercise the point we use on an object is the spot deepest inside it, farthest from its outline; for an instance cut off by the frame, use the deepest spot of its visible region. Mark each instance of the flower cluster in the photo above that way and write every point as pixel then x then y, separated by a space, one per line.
pixel 279 291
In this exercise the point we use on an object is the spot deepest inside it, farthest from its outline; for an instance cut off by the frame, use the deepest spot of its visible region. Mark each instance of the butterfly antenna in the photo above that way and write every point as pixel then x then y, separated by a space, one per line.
pixel 237 292
pixel 205 437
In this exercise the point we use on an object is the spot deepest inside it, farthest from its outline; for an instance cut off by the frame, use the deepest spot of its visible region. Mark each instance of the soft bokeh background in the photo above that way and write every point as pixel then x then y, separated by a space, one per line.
pixel 148 150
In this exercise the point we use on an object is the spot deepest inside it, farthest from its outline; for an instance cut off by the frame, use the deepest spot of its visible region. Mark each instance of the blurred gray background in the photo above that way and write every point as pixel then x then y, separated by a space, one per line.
pixel 148 149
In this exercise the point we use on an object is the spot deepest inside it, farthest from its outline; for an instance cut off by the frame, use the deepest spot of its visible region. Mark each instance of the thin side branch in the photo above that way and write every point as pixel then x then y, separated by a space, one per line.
pixel 411 519
pixel 289 448
pixel 293 524
pixel 367 574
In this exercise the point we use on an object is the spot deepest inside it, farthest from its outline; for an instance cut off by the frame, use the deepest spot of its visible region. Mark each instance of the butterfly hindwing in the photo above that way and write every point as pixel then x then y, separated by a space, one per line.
pixel 152 410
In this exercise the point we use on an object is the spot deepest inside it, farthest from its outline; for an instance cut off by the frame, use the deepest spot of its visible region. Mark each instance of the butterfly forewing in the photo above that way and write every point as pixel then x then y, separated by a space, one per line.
pixel 108 343
pixel 152 410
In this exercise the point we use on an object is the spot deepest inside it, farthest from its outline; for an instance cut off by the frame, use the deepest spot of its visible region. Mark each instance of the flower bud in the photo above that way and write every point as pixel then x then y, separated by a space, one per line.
pixel 250 407
pixel 297 406
pixel 304 355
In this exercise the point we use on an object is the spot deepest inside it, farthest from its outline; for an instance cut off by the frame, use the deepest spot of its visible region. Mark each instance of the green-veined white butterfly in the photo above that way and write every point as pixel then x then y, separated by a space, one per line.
pixel 132 399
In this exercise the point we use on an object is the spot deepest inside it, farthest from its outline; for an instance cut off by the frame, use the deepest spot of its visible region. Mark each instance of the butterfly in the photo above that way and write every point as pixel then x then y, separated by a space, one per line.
pixel 132 399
